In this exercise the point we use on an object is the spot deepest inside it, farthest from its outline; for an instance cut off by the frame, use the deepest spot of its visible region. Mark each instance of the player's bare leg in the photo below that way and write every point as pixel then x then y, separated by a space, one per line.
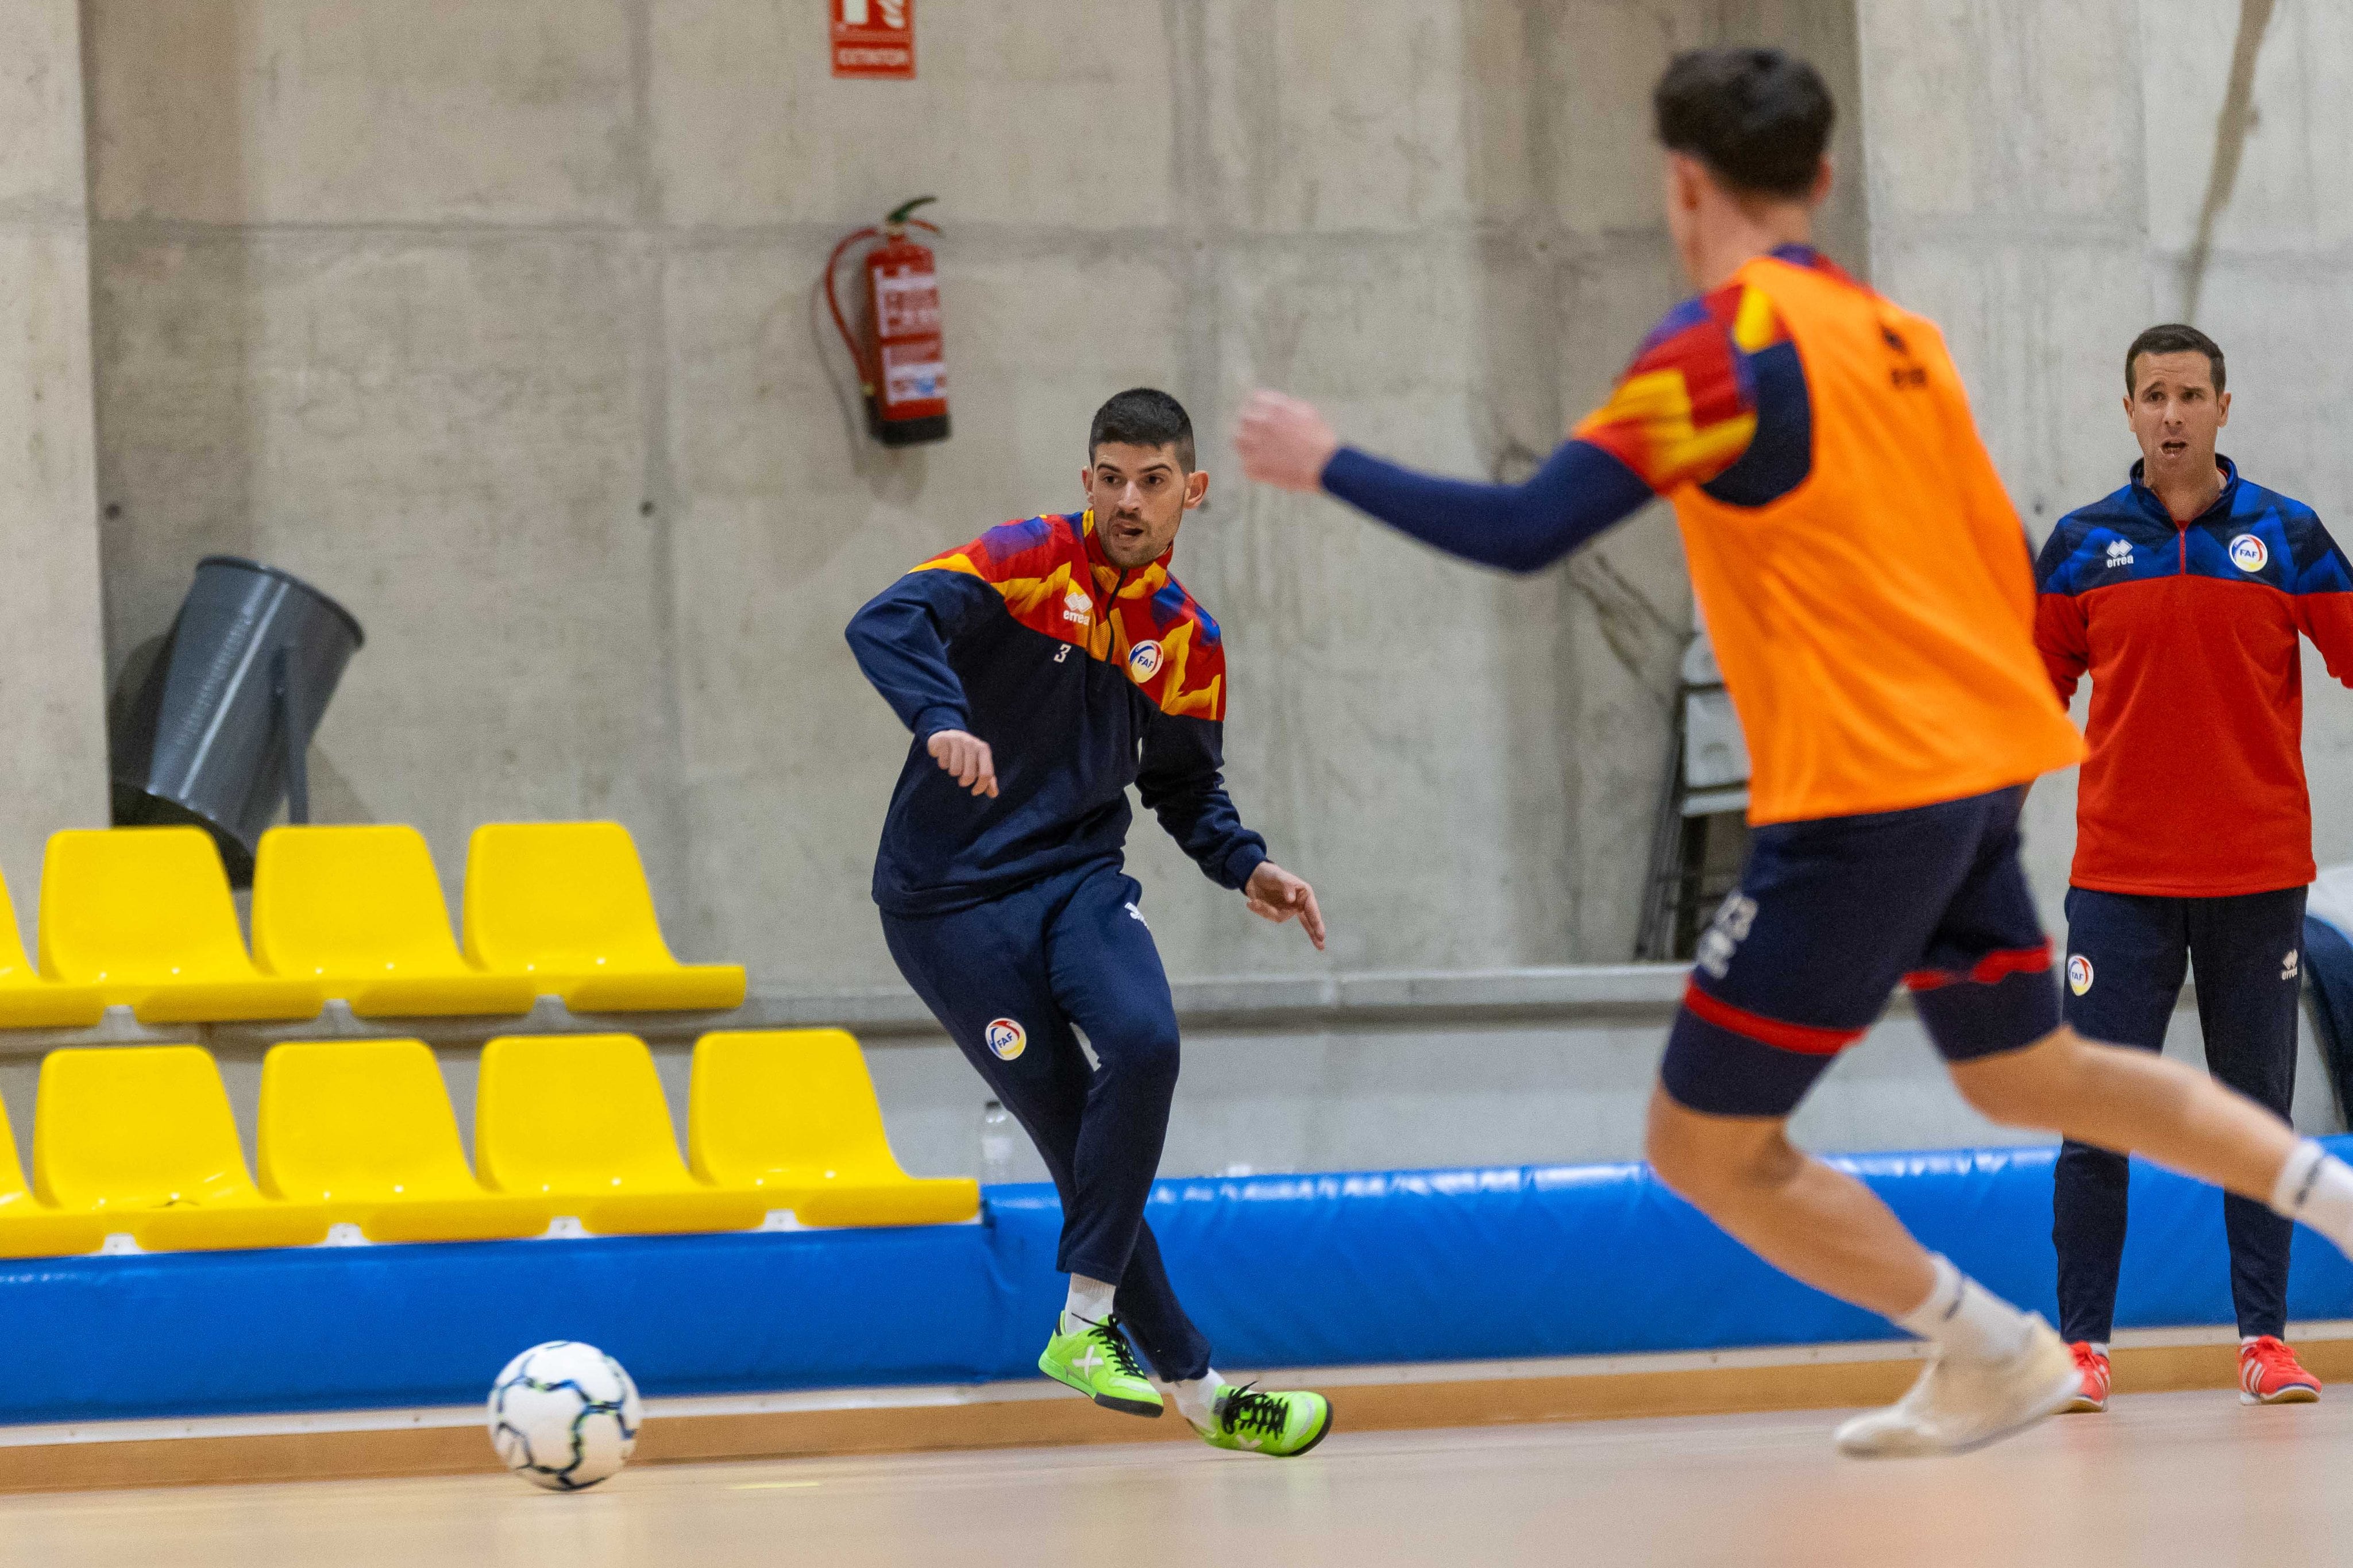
pixel 1805 1218
pixel 1995 1370
pixel 2141 1103
pixel 2137 1103
pixel 1828 1229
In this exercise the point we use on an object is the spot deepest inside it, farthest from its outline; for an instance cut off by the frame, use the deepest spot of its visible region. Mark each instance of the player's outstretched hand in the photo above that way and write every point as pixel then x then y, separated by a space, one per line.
pixel 966 757
pixel 1284 442
pixel 1276 895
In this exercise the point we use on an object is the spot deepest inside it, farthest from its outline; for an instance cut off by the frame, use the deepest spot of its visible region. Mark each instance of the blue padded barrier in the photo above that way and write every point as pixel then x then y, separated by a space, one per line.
pixel 1385 1267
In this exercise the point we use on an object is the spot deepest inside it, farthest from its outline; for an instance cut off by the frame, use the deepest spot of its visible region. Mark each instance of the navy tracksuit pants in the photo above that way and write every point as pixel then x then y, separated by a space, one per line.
pixel 2126 955
pixel 1008 980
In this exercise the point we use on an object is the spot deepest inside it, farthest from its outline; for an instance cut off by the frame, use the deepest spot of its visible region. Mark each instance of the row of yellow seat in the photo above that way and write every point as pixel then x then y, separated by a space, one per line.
pixel 142 917
pixel 139 1140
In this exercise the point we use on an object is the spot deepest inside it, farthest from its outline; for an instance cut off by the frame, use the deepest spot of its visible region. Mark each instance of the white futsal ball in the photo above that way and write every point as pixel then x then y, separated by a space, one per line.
pixel 564 1416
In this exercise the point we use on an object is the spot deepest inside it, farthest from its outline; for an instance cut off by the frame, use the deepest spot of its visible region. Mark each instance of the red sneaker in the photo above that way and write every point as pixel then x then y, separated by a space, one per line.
pixel 2269 1374
pixel 2093 1397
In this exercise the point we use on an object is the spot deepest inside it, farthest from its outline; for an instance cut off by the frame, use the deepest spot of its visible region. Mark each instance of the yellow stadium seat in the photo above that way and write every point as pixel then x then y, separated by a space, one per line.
pixel 566 903
pixel 141 1137
pixel 144 915
pixel 359 910
pixel 31 1228
pixel 792 1111
pixel 29 1002
pixel 365 1127
pixel 581 1120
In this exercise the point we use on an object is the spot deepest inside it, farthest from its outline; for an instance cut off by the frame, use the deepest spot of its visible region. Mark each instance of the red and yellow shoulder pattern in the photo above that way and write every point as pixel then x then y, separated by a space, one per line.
pixel 1685 410
pixel 1055 580
pixel 1034 565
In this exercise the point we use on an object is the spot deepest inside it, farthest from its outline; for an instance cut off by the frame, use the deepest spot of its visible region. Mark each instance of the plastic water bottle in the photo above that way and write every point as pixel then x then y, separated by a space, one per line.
pixel 996 1145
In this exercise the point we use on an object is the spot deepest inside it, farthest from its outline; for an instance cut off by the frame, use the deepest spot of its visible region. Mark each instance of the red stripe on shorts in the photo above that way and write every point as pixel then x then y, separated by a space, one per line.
pixel 1804 1038
pixel 1991 970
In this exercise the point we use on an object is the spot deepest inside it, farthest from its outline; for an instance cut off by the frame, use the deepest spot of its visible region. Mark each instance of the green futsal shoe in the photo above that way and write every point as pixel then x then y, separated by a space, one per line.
pixel 1094 1359
pixel 1282 1426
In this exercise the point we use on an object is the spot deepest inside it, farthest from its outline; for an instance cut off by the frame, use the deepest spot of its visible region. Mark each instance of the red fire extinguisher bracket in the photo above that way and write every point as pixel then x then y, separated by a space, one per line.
pixel 901 362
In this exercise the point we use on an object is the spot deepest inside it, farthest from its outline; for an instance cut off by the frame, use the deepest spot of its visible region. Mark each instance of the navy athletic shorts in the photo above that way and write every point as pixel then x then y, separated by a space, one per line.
pixel 1829 916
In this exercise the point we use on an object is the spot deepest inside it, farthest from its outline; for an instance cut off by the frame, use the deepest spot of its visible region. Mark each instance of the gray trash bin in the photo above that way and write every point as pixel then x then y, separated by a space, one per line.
pixel 218 733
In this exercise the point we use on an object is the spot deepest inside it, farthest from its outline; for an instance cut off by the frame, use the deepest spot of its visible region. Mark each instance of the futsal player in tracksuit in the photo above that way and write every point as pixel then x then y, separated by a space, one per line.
pixel 2183 596
pixel 1871 597
pixel 1043 669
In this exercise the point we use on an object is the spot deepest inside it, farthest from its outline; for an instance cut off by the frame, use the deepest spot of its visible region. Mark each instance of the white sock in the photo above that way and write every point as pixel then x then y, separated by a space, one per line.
pixel 2099 1347
pixel 1089 1300
pixel 1964 1320
pixel 1196 1399
pixel 2316 1188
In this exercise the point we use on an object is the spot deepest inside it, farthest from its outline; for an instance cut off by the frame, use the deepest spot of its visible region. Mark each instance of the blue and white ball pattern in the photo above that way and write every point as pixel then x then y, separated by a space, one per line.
pixel 565 1416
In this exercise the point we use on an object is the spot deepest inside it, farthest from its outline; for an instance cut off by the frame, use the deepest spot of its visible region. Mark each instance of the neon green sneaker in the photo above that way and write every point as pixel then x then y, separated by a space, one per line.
pixel 1094 1359
pixel 1281 1425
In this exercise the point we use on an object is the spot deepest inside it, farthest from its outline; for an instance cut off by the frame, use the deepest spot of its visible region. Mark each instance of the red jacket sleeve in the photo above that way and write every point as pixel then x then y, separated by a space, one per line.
pixel 2320 595
pixel 2060 637
pixel 2328 620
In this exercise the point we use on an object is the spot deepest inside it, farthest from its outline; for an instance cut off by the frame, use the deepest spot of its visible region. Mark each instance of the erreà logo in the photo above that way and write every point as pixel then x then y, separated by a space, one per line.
pixel 2248 554
pixel 1005 1038
pixel 2120 553
pixel 1078 607
pixel 1144 660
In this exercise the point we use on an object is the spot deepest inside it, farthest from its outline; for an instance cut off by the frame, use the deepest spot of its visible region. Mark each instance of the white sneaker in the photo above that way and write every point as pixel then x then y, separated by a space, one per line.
pixel 1959 1405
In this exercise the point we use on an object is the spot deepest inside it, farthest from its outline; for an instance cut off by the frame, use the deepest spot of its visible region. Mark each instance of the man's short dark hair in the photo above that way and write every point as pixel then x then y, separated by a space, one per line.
pixel 1143 416
pixel 2173 338
pixel 1757 118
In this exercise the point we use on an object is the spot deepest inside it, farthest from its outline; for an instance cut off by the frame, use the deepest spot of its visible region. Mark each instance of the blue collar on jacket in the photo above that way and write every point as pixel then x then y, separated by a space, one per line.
pixel 2147 498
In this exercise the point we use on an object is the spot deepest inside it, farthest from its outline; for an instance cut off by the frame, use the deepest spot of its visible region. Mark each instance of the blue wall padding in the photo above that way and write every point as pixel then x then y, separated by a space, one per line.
pixel 1294 1270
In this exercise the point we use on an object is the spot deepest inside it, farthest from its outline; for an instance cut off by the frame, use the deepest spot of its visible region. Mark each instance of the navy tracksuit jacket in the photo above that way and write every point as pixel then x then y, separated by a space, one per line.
pixel 1012 917
pixel 2194 828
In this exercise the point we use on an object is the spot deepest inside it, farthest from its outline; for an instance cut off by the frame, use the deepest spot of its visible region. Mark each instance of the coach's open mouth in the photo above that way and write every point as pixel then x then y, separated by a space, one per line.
pixel 2173 448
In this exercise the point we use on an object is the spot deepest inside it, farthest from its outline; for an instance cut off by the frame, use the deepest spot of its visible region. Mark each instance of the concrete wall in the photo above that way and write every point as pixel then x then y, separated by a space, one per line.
pixel 52 696
pixel 2047 180
pixel 496 321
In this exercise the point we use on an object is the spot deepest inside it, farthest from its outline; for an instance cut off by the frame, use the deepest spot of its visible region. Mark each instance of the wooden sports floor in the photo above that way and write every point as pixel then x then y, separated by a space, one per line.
pixel 2162 1480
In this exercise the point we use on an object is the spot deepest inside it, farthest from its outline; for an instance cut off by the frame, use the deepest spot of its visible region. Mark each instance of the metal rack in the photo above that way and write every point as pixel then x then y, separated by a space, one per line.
pixel 1699 836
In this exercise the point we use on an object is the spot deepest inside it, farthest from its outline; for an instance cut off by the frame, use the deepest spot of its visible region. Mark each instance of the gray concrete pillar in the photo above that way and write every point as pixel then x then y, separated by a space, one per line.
pixel 52 691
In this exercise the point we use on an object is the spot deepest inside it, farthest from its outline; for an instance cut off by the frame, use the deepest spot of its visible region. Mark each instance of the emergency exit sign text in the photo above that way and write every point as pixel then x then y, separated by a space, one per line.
pixel 874 39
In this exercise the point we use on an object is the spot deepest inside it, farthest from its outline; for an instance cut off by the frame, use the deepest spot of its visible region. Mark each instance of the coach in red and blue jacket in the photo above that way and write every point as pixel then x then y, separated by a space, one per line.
pixel 2183 596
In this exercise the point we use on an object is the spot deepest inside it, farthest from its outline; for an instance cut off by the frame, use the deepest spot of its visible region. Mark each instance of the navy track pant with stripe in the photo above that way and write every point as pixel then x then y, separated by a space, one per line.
pixel 1008 980
pixel 2126 957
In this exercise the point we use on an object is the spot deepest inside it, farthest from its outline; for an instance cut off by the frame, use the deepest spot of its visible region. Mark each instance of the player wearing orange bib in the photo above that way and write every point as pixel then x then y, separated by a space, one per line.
pixel 1871 597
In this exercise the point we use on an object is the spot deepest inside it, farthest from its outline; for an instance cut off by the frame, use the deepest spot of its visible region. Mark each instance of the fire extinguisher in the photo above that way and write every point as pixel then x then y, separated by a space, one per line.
pixel 900 369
